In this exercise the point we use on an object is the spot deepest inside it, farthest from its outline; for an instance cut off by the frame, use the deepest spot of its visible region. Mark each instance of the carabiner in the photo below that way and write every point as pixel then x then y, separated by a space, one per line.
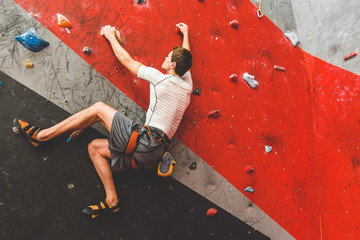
pixel 259 12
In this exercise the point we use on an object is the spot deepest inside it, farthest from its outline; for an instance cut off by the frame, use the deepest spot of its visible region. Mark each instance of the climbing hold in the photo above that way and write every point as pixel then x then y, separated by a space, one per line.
pixel 87 50
pixel 268 148
pixel 214 114
pixel 177 30
pixel 28 64
pixel 250 80
pixel 140 1
pixel 192 166
pixel 249 189
pixel 249 169
pixel 351 55
pixel 32 41
pixel 233 77
pixel 276 67
pixel 70 186
pixel 197 92
pixel 63 21
pixel 0 83
pixel 74 135
pixel 294 39
pixel 117 35
pixel 234 24
pixel 211 212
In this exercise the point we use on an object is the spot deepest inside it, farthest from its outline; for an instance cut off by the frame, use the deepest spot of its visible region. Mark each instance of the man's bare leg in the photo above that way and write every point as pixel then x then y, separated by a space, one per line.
pixel 99 154
pixel 98 148
pixel 99 112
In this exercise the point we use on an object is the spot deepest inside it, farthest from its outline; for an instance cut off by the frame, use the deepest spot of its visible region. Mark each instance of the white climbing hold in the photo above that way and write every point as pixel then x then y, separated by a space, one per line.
pixel 268 148
pixel 294 39
pixel 249 189
pixel 250 80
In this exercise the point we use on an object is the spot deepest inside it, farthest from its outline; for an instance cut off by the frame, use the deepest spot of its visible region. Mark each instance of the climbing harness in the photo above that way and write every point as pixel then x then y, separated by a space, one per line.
pixel 131 146
pixel 259 12
pixel 167 162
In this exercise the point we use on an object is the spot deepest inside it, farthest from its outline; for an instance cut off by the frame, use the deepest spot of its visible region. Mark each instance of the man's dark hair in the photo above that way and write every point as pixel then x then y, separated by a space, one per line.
pixel 183 59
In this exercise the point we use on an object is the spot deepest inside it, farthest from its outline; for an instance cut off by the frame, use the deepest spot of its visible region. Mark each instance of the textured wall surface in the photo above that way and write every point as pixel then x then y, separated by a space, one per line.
pixel 308 183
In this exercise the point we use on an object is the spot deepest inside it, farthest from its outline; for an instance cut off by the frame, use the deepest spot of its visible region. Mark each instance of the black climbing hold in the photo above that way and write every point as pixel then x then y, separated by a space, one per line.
pixel 192 166
pixel 197 92
pixel 140 1
pixel 87 50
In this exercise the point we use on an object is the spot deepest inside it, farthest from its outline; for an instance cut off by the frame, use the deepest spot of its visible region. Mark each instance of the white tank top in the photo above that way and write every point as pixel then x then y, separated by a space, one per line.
pixel 169 98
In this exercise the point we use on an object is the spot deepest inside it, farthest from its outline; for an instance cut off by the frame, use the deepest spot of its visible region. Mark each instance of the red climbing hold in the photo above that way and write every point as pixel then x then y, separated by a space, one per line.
pixel 211 212
pixel 177 30
pixel 234 24
pixel 279 68
pixel 249 169
pixel 233 77
pixel 353 54
pixel 63 21
pixel 214 114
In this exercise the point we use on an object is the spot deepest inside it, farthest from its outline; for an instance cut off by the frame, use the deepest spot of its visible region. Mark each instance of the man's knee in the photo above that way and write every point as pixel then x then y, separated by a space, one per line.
pixel 98 106
pixel 92 149
pixel 99 147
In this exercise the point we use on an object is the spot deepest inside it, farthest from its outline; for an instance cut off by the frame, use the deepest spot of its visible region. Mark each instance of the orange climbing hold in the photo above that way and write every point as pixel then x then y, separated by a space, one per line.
pixel 28 64
pixel 211 212
pixel 63 21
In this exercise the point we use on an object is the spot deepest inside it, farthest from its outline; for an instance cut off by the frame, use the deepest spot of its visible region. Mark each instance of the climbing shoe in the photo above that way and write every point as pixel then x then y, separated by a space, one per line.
pixel 101 208
pixel 28 130
pixel 166 165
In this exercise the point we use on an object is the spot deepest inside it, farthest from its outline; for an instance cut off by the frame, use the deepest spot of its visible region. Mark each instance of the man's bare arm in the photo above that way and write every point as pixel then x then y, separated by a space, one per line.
pixel 184 29
pixel 121 54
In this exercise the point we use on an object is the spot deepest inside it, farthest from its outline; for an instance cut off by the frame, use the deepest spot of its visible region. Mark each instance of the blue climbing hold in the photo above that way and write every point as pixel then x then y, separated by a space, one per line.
pixel 249 189
pixel 32 41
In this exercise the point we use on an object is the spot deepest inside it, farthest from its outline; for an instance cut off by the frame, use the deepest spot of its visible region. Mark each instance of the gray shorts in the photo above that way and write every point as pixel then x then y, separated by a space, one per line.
pixel 147 154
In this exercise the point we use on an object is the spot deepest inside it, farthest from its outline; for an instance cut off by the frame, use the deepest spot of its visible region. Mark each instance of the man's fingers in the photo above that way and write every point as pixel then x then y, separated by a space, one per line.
pixel 182 26
pixel 106 30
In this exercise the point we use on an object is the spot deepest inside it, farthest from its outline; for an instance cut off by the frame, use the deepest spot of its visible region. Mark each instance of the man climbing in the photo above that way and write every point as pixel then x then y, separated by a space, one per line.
pixel 130 146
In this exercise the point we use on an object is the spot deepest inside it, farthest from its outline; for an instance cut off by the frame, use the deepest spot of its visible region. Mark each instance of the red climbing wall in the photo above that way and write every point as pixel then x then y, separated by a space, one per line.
pixel 307 183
